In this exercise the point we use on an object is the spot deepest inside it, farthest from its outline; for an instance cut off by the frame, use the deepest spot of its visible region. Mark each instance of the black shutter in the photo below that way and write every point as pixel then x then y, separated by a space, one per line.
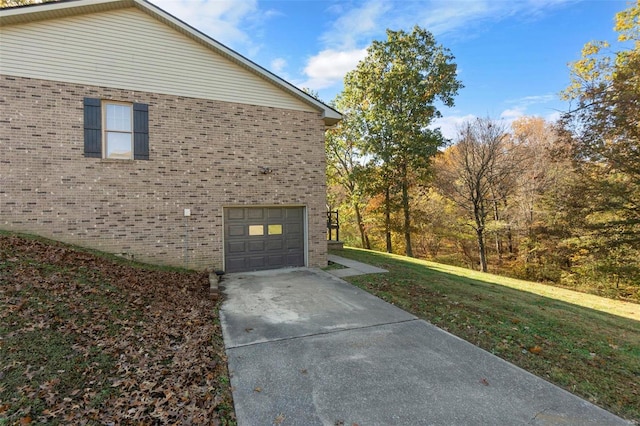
pixel 92 128
pixel 140 131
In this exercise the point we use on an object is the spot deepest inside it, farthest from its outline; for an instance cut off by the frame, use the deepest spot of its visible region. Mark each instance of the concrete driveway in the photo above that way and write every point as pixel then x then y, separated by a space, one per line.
pixel 306 348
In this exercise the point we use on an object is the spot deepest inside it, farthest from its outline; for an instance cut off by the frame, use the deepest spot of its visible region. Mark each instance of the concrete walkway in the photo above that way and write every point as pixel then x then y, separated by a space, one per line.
pixel 352 267
pixel 306 348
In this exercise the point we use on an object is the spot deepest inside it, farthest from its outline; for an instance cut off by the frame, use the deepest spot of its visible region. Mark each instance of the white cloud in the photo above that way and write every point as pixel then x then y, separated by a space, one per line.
pixel 278 65
pixel 512 113
pixel 523 106
pixel 553 117
pixel 441 16
pixel 330 66
pixel 358 23
pixel 223 20
pixel 356 26
pixel 345 43
pixel 508 116
pixel 450 124
pixel 533 100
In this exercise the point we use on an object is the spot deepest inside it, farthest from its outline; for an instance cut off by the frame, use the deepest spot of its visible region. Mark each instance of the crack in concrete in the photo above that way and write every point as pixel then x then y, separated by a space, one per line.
pixel 323 333
pixel 534 418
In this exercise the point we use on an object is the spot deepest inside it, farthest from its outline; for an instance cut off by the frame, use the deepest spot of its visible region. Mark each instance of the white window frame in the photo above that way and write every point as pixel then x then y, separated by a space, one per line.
pixel 106 131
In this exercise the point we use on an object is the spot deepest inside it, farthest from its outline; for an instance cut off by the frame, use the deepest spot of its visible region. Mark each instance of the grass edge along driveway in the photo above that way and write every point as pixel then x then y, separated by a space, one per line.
pixel 583 343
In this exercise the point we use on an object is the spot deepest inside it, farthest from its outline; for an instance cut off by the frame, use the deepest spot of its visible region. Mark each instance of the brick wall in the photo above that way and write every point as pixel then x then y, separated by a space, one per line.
pixel 204 155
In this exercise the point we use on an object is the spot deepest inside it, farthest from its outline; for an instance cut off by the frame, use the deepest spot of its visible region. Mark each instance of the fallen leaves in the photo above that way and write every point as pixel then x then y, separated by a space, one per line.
pixel 279 419
pixel 536 350
pixel 134 345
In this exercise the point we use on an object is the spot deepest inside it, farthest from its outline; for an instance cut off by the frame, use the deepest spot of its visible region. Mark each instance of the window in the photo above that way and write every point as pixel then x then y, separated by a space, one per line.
pixel 275 229
pixel 116 130
pixel 256 230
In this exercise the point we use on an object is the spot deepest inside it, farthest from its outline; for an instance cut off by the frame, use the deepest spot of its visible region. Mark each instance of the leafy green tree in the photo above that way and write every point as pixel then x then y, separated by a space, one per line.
pixel 606 88
pixel 313 93
pixel 394 92
pixel 605 132
pixel 434 222
pixel 345 164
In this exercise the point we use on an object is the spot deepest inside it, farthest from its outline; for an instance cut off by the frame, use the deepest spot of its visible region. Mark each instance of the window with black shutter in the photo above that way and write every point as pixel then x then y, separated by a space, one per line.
pixel 116 130
pixel 92 128
pixel 140 131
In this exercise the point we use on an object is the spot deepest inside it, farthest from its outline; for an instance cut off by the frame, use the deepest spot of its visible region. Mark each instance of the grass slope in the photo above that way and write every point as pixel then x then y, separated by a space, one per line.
pixel 87 338
pixel 588 345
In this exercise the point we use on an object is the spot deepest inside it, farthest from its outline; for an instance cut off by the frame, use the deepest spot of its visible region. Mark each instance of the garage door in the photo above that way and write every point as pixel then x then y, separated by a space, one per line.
pixel 257 238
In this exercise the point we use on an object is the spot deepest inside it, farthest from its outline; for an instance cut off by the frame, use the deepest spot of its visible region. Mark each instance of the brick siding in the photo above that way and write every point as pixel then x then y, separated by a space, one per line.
pixel 204 155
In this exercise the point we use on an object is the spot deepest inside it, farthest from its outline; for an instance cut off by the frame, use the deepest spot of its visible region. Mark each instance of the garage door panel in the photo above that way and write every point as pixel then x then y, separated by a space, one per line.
pixel 293 245
pixel 275 213
pixel 293 234
pixel 257 262
pixel 256 246
pixel 294 214
pixel 294 258
pixel 236 247
pixel 275 261
pixel 275 244
pixel 259 238
pixel 293 228
pixel 235 214
pixel 293 238
pixel 255 213
pixel 237 230
pixel 235 264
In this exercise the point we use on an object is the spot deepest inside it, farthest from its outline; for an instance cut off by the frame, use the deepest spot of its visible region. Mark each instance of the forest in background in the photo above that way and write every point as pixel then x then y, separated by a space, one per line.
pixel 550 202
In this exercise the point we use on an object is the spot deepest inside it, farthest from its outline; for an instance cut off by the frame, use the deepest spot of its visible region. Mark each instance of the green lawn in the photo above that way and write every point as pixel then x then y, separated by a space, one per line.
pixel 586 344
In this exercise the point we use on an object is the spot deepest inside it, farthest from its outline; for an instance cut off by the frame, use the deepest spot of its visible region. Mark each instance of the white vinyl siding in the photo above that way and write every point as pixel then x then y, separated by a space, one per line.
pixel 129 49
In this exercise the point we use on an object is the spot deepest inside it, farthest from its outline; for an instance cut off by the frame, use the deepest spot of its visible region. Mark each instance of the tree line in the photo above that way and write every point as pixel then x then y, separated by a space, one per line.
pixel 552 202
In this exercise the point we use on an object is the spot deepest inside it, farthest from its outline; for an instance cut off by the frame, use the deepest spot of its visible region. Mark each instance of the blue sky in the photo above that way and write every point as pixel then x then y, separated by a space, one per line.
pixel 512 55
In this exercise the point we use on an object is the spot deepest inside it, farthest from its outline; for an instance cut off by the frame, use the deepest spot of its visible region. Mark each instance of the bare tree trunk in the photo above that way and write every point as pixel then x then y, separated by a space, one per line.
pixel 387 218
pixel 530 235
pixel 475 175
pixel 407 216
pixel 496 217
pixel 509 234
pixel 363 235
pixel 479 213
pixel 481 249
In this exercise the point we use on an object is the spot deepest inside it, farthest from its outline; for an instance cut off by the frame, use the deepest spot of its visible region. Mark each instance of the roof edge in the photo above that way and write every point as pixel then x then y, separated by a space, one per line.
pixel 60 9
